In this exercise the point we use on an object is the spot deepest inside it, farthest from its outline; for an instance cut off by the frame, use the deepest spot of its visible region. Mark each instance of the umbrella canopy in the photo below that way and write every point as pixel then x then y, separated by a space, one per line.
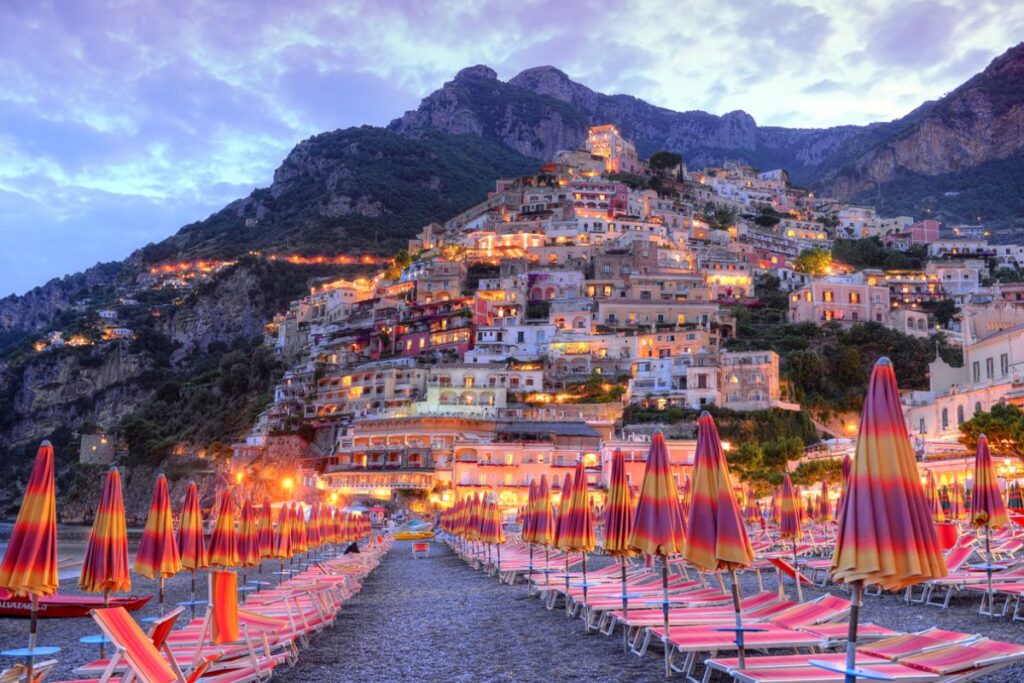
pixel 544 518
pixel 751 512
pixel 789 512
pixel 563 511
pixel 223 548
pixel 474 518
pixel 248 537
pixel 824 505
pixel 886 536
pixel 934 499
pixel 157 556
pixel 531 504
pixel 283 534
pixel 1014 498
pixel 29 566
pixel 618 509
pixel 578 532
pixel 299 538
pixel 105 565
pixel 956 500
pixel 191 544
pixel 491 529
pixel 265 530
pixel 987 508
pixel 658 523
pixel 313 527
pixel 843 482
pixel 716 538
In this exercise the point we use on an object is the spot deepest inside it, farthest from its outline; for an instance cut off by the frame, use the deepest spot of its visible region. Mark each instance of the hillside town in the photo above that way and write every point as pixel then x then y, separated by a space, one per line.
pixel 514 336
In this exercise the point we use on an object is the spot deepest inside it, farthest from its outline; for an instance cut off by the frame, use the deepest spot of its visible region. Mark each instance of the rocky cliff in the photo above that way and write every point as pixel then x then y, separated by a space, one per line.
pixel 979 122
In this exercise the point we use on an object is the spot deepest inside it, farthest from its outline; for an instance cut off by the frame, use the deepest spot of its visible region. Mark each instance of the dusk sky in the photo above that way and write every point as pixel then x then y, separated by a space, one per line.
pixel 121 121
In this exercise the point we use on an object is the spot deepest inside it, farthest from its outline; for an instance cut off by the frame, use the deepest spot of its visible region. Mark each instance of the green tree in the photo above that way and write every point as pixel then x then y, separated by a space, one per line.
pixel 664 161
pixel 816 262
pixel 1004 427
pixel 815 471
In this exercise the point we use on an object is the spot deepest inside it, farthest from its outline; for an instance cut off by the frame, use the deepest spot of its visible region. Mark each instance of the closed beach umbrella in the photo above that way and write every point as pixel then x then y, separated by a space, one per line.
pixel 191 544
pixel 824 505
pixel 157 556
pixel 544 518
pixel 618 525
pixel 716 539
pixel 1014 499
pixel 956 500
pixel 578 533
pixel 265 530
pixel 751 512
pixel 843 483
pixel 223 548
pixel 658 522
pixel 29 567
pixel 105 566
pixel 528 513
pixel 563 513
pixel 987 509
pixel 886 536
pixel 283 535
pixel 473 519
pixel 790 527
pixel 248 537
pixel 491 530
pixel 684 497
pixel 934 502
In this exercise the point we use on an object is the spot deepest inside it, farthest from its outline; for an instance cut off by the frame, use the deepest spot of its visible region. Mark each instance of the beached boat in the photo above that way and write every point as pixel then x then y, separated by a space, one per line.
pixel 65 606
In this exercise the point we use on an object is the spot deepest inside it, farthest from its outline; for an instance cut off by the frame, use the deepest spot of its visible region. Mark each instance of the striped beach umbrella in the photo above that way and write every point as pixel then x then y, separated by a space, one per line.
pixel 473 518
pixel 29 567
pixel 283 535
pixel 824 505
pixel 157 556
pixel 956 500
pixel 987 508
pixel 1014 498
pixel 265 530
pixel 223 547
pixel 492 533
pixel 790 526
pixel 751 511
pixel 544 520
pixel 934 498
pixel 248 537
pixel 313 527
pixel 578 532
pixel 716 539
pixel 886 536
pixel 945 502
pixel 843 482
pixel 191 544
pixel 563 513
pixel 300 542
pixel 684 497
pixel 105 567
pixel 658 527
pixel 618 524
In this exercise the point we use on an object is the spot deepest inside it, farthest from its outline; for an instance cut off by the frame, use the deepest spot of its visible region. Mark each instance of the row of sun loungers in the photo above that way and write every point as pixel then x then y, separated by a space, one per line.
pixel 791 639
pixel 232 642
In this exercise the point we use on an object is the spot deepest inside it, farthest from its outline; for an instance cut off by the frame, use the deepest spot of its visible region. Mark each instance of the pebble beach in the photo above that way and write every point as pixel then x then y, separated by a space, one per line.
pixel 436 618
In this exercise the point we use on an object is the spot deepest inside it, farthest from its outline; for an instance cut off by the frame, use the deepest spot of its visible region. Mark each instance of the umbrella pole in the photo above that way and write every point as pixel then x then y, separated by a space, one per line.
pixel 988 569
pixel 851 636
pixel 547 564
pixel 33 624
pixel 739 618
pixel 625 608
pixel 192 595
pixel 529 580
pixel 160 594
pixel 796 575
pixel 566 583
pixel 103 639
pixel 664 613
pixel 498 547
pixel 586 615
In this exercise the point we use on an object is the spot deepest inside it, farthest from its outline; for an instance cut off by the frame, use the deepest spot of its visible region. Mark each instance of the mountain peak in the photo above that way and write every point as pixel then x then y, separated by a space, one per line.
pixel 479 71
pixel 553 82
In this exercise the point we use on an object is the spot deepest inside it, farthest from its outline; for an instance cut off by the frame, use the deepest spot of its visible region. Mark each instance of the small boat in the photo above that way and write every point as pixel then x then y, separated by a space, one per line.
pixel 65 606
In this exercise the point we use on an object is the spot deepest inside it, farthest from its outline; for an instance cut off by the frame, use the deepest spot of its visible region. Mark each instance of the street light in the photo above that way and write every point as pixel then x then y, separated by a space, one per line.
pixel 288 484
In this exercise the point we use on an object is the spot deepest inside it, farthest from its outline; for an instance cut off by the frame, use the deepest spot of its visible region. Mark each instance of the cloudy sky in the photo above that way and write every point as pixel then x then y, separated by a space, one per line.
pixel 122 120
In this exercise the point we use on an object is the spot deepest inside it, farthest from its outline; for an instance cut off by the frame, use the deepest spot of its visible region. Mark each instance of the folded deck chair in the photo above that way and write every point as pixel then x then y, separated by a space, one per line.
pixel 19 672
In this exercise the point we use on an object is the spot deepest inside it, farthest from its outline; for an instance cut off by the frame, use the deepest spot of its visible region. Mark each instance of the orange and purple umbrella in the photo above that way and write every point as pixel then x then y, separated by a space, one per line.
pixel 886 536
pixel 223 547
pixel 191 544
pixel 987 508
pixel 578 533
pixel 824 505
pixel 544 518
pixel 248 537
pixel 956 500
pixel 29 567
pixel 265 532
pixel 283 535
pixel 105 566
pixel 789 512
pixel 157 556
pixel 716 538
pixel 563 513
pixel 618 524
pixel 658 527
